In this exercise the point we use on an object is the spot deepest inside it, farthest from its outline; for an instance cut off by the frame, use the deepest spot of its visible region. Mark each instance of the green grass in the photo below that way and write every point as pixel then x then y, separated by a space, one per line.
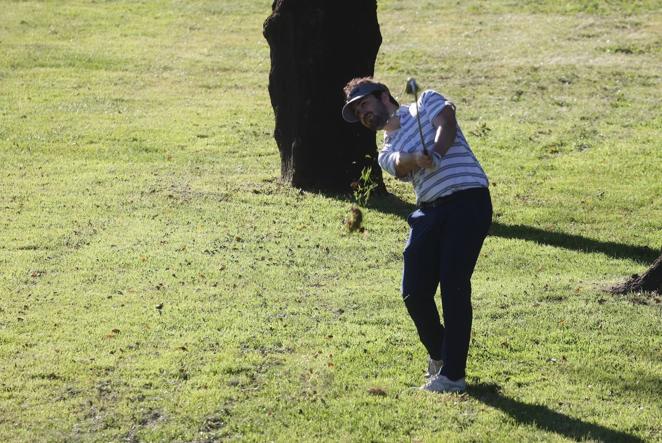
pixel 138 171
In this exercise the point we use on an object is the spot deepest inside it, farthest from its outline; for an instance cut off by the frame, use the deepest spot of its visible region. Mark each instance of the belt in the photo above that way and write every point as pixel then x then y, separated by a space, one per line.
pixel 446 199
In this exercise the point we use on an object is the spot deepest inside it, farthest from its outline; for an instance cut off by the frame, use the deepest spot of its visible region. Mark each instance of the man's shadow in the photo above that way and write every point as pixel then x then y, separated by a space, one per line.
pixel 546 419
pixel 392 204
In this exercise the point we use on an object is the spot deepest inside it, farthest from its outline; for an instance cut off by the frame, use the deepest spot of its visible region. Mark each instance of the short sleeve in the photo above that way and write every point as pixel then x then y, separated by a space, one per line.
pixel 432 103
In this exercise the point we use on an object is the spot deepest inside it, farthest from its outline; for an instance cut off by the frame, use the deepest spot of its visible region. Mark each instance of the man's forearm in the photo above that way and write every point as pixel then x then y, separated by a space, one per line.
pixel 446 130
pixel 407 163
pixel 444 139
pixel 404 164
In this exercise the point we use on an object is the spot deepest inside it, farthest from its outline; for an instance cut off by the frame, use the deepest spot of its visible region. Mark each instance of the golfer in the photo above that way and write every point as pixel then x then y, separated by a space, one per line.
pixel 448 228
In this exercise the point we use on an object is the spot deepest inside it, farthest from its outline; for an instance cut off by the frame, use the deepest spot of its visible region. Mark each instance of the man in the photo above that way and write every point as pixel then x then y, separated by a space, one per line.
pixel 448 228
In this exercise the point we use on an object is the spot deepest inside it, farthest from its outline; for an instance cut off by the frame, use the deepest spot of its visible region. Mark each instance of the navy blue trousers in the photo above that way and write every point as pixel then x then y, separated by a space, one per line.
pixel 443 246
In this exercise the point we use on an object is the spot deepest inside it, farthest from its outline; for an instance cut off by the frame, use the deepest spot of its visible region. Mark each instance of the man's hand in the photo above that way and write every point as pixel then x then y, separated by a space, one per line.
pixel 423 160
pixel 409 162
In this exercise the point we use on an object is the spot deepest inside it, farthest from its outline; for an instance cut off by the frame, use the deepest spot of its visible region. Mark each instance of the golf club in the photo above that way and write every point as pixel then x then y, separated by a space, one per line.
pixel 412 88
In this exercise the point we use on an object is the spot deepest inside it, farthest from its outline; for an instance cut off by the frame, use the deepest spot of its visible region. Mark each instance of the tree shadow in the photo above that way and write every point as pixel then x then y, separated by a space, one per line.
pixel 546 419
pixel 392 204
pixel 642 254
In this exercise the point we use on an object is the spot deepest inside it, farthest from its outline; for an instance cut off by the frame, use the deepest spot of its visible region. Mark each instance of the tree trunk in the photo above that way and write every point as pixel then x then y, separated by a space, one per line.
pixel 317 46
pixel 650 281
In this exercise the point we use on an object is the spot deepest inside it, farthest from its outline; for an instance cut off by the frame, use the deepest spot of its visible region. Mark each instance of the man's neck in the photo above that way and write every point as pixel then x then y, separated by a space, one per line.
pixel 393 121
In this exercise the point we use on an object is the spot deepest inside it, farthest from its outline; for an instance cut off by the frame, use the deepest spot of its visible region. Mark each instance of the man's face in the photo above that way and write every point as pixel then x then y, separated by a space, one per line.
pixel 371 112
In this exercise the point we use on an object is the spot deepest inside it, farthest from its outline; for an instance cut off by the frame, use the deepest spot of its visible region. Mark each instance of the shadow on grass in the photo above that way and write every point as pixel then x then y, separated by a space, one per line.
pixel 641 254
pixel 546 419
pixel 391 204
pixel 639 386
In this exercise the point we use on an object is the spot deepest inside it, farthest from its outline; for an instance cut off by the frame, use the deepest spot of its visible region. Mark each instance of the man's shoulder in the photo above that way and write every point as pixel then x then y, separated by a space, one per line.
pixel 430 93
pixel 430 97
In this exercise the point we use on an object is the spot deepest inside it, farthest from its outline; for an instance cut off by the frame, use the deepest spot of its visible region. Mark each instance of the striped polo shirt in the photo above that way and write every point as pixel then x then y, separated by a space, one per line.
pixel 458 169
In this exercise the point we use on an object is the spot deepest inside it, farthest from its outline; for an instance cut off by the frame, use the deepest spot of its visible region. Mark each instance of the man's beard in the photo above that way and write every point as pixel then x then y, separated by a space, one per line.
pixel 376 120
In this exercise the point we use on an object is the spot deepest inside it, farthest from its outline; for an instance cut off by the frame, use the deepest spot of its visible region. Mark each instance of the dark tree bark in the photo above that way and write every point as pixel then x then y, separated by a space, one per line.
pixel 316 47
pixel 649 281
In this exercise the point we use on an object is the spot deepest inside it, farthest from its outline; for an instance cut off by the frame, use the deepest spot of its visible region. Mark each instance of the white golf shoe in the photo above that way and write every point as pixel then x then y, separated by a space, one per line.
pixel 434 366
pixel 441 383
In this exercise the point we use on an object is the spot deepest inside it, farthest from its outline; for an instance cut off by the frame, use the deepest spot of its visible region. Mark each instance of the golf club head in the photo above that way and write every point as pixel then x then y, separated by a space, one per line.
pixel 412 86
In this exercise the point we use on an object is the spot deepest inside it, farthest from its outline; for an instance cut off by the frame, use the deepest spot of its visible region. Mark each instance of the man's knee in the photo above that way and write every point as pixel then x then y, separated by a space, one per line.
pixel 456 290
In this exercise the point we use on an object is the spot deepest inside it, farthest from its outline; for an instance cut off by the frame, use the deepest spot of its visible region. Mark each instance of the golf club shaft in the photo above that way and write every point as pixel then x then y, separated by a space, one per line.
pixel 418 120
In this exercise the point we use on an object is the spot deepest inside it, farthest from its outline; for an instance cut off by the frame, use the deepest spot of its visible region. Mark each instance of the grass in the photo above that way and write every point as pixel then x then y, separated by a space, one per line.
pixel 160 284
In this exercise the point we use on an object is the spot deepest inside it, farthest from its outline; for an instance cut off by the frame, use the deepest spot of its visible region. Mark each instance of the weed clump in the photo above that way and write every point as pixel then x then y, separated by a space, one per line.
pixel 361 191
pixel 353 221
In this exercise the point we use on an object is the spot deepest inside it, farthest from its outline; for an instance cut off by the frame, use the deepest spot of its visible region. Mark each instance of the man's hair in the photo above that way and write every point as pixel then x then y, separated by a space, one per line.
pixel 353 83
